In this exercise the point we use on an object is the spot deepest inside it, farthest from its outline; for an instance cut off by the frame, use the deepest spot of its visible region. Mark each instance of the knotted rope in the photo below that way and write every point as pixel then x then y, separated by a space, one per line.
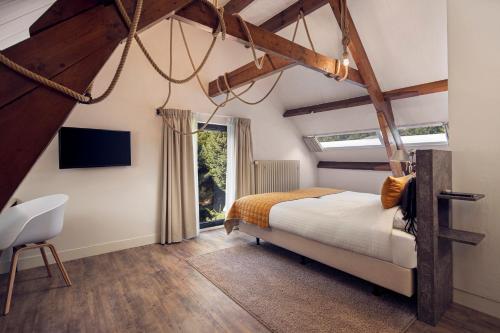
pixel 249 37
pixel 82 98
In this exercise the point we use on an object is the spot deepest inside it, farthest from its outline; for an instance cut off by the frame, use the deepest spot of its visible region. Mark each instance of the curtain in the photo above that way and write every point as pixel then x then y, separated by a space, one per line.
pixel 231 164
pixel 178 178
pixel 245 183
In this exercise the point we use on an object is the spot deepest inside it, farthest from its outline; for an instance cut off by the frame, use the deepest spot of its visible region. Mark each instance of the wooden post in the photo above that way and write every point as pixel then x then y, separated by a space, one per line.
pixel 434 254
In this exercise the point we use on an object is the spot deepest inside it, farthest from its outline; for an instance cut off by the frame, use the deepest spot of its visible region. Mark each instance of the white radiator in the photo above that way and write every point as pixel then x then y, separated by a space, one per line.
pixel 276 176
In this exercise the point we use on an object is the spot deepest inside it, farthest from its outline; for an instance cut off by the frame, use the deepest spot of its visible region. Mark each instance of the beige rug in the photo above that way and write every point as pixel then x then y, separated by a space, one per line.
pixel 284 295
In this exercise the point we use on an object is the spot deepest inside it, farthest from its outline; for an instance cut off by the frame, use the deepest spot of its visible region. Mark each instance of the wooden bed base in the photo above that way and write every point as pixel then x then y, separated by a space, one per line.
pixel 379 272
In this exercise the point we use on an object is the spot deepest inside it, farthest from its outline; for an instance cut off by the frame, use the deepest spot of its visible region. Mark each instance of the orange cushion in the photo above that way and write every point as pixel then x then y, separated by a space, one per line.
pixel 392 190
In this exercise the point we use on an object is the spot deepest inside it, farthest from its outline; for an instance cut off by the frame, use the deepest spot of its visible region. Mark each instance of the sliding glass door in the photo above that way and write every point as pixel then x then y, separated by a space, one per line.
pixel 212 164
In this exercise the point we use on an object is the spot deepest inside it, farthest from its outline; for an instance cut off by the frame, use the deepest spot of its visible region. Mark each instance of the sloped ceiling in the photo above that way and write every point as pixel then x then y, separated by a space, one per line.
pixel 406 42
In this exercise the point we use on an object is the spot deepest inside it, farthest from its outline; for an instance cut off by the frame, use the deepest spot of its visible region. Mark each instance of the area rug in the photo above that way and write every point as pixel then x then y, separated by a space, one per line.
pixel 286 296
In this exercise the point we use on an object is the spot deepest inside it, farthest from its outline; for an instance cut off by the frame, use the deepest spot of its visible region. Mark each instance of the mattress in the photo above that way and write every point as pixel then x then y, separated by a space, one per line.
pixel 349 220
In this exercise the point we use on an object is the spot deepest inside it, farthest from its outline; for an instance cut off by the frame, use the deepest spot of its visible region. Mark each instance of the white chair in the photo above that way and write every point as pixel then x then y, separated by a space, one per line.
pixel 28 226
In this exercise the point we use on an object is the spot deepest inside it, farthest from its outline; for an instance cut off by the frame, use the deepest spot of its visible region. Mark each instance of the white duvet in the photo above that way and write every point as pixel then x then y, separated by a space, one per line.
pixel 349 220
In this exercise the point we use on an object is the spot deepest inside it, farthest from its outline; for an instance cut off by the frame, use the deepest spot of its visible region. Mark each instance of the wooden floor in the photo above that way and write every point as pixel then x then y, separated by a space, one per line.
pixel 153 289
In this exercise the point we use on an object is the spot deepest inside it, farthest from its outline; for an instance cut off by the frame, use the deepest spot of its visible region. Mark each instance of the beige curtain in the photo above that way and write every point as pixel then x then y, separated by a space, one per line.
pixel 178 185
pixel 245 183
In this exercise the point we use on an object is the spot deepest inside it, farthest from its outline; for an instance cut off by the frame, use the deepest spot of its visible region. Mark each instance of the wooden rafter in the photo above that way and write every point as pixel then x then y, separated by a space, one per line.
pixel 390 134
pixel 236 6
pixel 289 15
pixel 265 41
pixel 407 92
pixel 69 47
pixel 245 75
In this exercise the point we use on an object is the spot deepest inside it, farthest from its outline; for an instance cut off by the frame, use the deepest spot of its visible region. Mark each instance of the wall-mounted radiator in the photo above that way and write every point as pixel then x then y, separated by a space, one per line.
pixel 276 176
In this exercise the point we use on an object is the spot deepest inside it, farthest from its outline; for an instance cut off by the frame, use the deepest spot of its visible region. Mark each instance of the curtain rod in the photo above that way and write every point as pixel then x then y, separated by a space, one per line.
pixel 158 113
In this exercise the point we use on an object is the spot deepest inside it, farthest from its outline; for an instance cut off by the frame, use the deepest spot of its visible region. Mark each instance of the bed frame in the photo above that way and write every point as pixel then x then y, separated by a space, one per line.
pixel 379 272
pixel 433 283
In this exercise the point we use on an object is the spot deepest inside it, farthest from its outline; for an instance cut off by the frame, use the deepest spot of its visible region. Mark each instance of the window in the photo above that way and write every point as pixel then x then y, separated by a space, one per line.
pixel 368 138
pixel 212 162
pixel 424 134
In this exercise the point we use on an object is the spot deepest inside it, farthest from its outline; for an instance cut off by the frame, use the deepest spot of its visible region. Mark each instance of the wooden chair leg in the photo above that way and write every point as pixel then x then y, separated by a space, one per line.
pixel 60 264
pixel 12 277
pixel 44 256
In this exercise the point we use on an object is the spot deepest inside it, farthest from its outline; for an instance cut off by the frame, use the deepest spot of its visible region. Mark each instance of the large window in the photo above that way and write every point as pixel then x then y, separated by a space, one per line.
pixel 212 161
pixel 425 134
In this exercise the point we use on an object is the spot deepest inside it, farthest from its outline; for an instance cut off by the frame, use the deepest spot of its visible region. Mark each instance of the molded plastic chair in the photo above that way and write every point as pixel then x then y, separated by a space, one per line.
pixel 28 226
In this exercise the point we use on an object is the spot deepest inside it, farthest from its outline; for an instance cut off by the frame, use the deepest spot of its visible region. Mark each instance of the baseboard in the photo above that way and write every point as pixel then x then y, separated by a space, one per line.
pixel 476 302
pixel 31 259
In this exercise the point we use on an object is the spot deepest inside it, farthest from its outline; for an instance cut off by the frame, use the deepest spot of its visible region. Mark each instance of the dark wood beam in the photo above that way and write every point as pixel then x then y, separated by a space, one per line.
pixel 243 75
pixel 390 134
pixel 236 6
pixel 272 44
pixel 289 15
pixel 373 166
pixel 413 91
pixel 70 48
pixel 248 73
pixel 61 11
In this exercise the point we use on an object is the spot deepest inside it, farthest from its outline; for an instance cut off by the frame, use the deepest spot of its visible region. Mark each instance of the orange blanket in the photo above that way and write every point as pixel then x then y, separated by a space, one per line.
pixel 255 209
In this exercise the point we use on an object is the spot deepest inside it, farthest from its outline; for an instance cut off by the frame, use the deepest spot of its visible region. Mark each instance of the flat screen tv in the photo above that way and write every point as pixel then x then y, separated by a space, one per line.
pixel 92 148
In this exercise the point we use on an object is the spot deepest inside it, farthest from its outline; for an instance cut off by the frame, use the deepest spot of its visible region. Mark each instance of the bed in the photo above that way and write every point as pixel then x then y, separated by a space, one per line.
pixel 346 230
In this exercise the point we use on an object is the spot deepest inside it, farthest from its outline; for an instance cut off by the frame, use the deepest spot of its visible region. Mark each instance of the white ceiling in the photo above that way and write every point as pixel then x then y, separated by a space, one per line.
pixel 406 42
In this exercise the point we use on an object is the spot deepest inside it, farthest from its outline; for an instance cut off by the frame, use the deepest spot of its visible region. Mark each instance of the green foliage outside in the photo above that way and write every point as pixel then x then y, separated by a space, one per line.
pixel 422 130
pixel 365 135
pixel 346 137
pixel 212 159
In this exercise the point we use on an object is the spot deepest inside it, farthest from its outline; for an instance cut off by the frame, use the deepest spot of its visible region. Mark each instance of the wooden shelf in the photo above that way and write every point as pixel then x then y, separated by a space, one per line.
pixel 460 196
pixel 461 236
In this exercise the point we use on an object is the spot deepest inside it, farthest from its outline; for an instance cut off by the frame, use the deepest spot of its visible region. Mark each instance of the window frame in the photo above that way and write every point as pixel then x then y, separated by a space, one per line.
pixel 210 127
pixel 435 124
pixel 376 130
pixel 381 140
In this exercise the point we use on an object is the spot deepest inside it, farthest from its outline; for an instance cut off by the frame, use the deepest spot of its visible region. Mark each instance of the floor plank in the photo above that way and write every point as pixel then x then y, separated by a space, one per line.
pixel 153 289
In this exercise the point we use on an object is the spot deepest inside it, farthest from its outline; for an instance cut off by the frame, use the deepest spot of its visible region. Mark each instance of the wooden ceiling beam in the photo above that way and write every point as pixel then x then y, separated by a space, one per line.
pixel 272 44
pixel 289 15
pixel 373 166
pixel 236 6
pixel 244 75
pixel 70 48
pixel 390 134
pixel 413 91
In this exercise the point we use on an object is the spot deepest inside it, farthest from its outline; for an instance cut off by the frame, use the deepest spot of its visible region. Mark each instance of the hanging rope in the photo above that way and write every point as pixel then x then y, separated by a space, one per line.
pixel 220 29
pixel 226 81
pixel 302 16
pixel 344 27
pixel 82 98
pixel 205 91
pixel 258 64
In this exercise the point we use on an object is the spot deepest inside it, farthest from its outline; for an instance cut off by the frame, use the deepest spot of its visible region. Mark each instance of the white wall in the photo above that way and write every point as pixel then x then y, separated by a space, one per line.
pixel 474 84
pixel 114 208
pixel 417 110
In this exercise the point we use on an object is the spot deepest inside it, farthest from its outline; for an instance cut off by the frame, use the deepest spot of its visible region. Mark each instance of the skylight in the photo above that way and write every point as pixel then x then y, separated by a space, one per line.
pixel 344 140
pixel 424 134
pixel 415 135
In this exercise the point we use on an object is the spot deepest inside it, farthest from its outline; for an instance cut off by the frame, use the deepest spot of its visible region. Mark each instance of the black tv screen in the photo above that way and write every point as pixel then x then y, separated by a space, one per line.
pixel 91 148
